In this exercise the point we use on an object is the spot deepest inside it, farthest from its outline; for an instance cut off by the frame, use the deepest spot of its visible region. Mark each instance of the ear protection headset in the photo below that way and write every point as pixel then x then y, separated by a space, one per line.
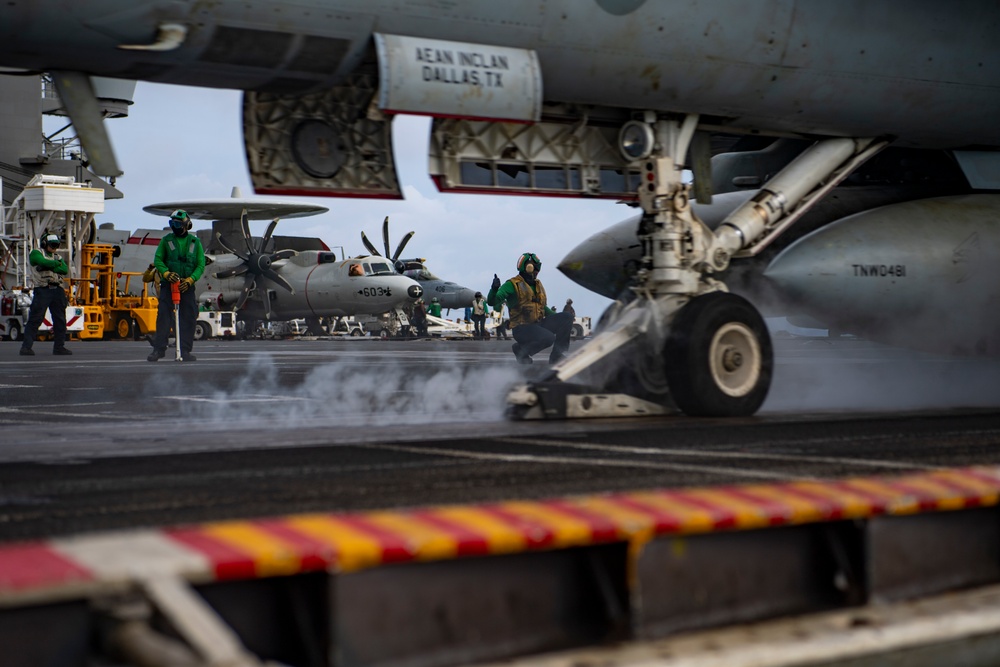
pixel 180 217
pixel 529 263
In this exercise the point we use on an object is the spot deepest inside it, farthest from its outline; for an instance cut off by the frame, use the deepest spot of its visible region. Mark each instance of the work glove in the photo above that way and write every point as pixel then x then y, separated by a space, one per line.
pixel 186 284
pixel 496 283
pixel 171 277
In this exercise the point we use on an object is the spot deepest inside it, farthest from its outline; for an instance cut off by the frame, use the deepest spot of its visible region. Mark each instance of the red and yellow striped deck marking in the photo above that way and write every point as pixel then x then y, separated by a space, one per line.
pixel 351 542
pixel 32 565
pixel 354 541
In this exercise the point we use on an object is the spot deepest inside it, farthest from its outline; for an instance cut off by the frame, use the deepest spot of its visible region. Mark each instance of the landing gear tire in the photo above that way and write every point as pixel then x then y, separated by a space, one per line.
pixel 201 331
pixel 718 357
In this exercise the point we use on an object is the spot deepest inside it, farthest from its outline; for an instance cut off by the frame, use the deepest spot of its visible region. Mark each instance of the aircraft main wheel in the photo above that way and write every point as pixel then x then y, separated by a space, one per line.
pixel 201 331
pixel 718 357
pixel 14 331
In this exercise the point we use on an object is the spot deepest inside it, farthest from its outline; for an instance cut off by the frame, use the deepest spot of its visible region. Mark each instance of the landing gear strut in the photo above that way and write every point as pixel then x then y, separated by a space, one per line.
pixel 684 342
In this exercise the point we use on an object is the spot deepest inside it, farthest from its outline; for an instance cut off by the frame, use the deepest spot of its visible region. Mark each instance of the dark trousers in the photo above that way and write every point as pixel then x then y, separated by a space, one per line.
pixel 480 322
pixel 165 319
pixel 52 299
pixel 553 330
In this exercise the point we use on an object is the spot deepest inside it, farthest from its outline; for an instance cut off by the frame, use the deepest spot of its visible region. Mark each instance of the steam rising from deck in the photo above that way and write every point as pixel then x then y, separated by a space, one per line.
pixel 349 393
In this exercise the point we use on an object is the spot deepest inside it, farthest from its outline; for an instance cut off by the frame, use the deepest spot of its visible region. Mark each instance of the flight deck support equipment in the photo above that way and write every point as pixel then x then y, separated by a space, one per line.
pixel 681 340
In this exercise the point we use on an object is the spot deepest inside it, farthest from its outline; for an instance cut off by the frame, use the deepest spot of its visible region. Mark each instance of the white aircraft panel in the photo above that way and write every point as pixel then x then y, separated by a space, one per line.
pixel 443 78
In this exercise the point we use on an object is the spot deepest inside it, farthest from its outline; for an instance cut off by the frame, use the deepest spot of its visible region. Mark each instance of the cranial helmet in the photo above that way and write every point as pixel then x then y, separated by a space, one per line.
pixel 51 239
pixel 180 220
pixel 434 300
pixel 529 258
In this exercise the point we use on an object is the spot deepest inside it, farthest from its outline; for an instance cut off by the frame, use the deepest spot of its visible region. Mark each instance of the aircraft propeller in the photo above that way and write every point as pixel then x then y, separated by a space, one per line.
pixel 256 263
pixel 385 240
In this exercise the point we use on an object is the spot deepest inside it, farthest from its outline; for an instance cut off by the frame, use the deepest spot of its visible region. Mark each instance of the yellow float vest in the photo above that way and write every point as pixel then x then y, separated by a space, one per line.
pixel 530 303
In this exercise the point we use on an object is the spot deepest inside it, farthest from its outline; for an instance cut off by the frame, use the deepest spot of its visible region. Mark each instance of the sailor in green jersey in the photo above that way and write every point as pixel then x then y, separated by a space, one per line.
pixel 180 258
pixel 47 270
pixel 535 326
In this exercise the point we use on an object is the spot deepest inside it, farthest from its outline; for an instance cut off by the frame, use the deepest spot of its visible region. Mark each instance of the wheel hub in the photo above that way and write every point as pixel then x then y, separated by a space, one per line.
pixel 735 359
pixel 732 359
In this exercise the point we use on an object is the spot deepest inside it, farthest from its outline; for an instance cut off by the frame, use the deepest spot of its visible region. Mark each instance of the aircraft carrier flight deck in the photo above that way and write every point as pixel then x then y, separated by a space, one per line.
pixel 103 439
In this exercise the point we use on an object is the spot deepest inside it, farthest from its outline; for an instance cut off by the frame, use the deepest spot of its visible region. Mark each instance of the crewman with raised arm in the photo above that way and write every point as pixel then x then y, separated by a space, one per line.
pixel 47 271
pixel 534 325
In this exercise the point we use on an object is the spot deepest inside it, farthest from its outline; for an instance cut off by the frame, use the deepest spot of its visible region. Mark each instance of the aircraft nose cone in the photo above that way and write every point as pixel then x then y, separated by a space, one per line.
pixel 596 264
pixel 414 291
pixel 466 295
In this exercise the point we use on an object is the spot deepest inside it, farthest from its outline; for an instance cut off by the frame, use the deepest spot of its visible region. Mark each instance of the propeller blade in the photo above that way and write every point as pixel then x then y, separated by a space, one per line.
pixel 245 225
pixel 369 245
pixel 402 244
pixel 277 278
pixel 228 273
pixel 385 235
pixel 245 292
pixel 230 247
pixel 267 234
pixel 266 295
pixel 283 254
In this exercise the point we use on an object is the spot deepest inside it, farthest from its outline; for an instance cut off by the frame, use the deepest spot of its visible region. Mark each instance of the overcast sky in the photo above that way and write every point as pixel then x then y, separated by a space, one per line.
pixel 182 143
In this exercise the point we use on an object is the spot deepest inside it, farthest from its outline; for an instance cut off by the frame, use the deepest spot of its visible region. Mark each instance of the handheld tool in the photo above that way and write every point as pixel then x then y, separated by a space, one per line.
pixel 175 296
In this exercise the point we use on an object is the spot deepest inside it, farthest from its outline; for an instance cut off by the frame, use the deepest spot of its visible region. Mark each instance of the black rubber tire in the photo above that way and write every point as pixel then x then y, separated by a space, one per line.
pixel 202 331
pixel 577 332
pixel 718 357
pixel 14 331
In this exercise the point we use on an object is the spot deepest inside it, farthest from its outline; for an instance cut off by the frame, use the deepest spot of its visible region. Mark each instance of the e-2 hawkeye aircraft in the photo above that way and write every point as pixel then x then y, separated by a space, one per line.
pixel 588 98
pixel 263 282
pixel 449 294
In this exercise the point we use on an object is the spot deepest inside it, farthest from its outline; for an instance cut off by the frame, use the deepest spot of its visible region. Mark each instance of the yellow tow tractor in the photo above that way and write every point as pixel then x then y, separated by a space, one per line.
pixel 110 309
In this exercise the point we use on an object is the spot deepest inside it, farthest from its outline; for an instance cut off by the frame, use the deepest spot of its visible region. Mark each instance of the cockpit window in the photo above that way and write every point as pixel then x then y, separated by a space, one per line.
pixel 355 270
pixel 381 268
pixel 420 274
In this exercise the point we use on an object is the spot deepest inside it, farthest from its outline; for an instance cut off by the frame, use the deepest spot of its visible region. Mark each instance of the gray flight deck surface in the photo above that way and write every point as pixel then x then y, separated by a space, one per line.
pixel 105 440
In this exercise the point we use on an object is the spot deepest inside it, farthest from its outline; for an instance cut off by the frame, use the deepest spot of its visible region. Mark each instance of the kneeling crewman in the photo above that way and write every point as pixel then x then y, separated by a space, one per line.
pixel 535 326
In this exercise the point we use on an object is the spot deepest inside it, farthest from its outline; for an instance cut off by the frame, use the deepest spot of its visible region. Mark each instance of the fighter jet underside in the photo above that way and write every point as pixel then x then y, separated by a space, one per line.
pixel 587 99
